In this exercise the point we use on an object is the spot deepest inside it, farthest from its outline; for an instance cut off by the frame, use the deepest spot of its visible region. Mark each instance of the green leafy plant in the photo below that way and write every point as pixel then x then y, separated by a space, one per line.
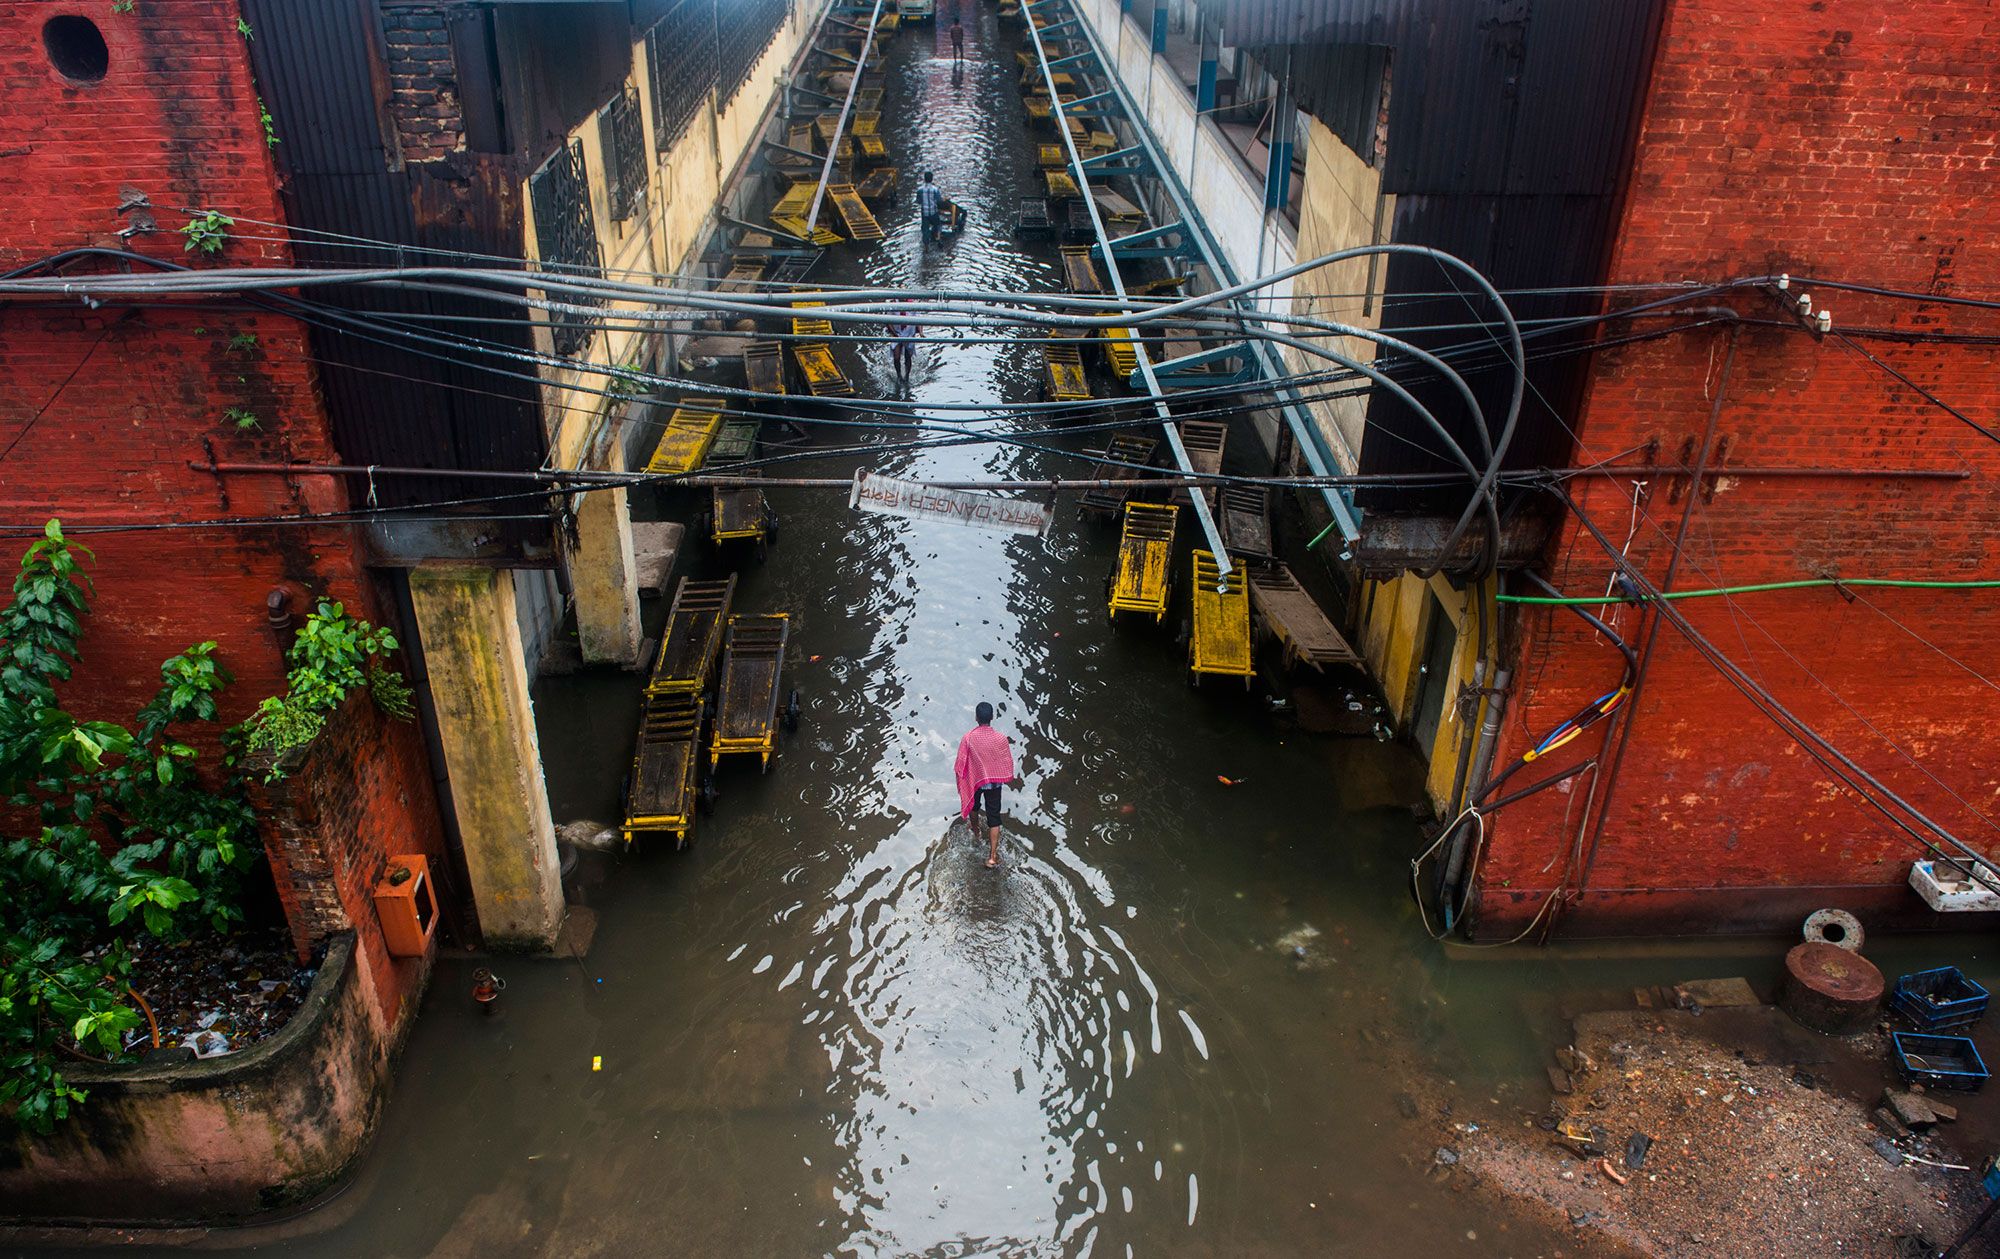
pixel 243 341
pixel 241 418
pixel 124 6
pixel 243 29
pixel 207 232
pixel 128 837
pixel 333 655
pixel 271 140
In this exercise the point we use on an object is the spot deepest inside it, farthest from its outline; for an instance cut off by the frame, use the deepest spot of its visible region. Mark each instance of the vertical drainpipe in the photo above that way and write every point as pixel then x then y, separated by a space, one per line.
pixel 1627 713
pixel 1482 764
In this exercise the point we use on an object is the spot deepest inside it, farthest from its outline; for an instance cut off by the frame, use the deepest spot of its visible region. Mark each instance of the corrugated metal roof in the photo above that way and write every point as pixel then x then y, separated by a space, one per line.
pixel 1508 125
pixel 389 404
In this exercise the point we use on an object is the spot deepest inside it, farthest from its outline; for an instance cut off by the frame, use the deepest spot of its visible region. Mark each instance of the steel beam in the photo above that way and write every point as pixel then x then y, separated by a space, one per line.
pixel 1097 160
pixel 840 127
pixel 1312 443
pixel 1169 429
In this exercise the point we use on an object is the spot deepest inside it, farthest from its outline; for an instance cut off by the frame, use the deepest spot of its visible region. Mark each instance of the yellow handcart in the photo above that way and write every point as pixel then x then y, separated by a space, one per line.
pixel 1139 581
pixel 1219 635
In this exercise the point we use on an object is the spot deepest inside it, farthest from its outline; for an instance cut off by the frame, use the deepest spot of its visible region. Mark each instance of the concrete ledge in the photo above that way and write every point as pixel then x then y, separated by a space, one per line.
pixel 229 1139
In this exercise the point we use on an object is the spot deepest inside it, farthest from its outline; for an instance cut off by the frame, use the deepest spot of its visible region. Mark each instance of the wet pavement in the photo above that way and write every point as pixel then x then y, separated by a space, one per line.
pixel 1183 1018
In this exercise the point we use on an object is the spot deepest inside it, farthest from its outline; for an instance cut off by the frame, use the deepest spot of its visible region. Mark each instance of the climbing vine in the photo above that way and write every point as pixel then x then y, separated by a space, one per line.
pixel 131 833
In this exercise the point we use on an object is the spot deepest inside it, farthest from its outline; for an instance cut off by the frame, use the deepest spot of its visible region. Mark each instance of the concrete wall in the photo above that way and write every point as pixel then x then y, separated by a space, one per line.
pixel 219 1140
pixel 1338 208
pixel 1398 618
pixel 588 430
pixel 1815 140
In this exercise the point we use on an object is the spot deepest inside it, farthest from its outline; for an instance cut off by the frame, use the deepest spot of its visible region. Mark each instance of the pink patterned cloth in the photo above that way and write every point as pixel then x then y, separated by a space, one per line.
pixel 985 757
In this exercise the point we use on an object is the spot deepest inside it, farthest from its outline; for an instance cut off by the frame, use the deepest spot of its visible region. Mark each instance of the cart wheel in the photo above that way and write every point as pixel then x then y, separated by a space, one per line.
pixel 707 794
pixel 792 710
pixel 763 551
pixel 1184 634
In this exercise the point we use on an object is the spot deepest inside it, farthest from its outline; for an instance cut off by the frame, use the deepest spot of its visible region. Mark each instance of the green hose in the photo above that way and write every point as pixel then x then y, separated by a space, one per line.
pixel 1893 582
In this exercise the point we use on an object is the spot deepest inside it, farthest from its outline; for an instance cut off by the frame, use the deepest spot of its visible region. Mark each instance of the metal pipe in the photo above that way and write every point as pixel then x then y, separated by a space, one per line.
pixel 1301 482
pixel 1627 715
pixel 1482 764
pixel 1168 428
pixel 840 128
pixel 738 480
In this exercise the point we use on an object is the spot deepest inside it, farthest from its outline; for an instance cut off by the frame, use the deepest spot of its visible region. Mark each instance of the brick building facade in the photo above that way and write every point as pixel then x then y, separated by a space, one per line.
pixel 119 126
pixel 1837 140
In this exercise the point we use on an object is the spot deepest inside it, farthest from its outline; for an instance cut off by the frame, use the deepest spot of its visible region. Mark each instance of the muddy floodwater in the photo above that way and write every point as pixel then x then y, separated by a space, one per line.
pixel 1184 1018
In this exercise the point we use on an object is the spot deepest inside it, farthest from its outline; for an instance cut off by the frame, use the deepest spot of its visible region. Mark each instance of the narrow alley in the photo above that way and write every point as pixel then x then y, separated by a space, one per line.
pixel 1251 976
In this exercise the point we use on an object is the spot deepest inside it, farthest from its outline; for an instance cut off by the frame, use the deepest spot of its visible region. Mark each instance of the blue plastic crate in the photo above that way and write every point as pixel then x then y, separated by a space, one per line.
pixel 1940 1062
pixel 1938 1000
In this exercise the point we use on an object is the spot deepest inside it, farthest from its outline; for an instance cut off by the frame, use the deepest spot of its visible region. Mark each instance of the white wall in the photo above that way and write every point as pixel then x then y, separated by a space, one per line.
pixel 1230 199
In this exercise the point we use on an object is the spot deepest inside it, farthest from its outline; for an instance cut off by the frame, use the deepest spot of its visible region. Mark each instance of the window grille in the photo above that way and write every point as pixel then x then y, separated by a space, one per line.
pixel 622 132
pixel 680 61
pixel 566 237
pixel 745 28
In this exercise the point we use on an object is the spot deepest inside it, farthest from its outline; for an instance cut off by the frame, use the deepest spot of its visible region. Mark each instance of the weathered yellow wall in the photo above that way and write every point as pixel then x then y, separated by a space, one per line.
pixel 584 428
pixel 1394 636
pixel 1337 208
pixel 479 687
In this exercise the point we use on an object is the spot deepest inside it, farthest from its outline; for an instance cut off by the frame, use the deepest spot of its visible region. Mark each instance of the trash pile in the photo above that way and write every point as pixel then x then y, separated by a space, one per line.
pixel 217 994
pixel 1665 1139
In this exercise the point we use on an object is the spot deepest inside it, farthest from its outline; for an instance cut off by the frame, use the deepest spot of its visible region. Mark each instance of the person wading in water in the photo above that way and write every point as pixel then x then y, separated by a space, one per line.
pixel 985 764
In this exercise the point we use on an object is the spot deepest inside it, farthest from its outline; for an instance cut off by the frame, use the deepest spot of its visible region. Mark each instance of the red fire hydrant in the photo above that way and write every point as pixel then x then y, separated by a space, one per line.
pixel 486 988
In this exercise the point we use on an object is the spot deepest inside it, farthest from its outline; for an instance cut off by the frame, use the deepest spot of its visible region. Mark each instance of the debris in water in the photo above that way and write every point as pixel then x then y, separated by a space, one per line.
pixel 597 1062
pixel 1445 1156
pixel 1128 809
pixel 1611 1173
pixel 1227 781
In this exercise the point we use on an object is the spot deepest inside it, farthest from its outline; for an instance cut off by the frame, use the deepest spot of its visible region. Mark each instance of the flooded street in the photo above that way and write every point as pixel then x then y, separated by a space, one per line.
pixel 1183 1017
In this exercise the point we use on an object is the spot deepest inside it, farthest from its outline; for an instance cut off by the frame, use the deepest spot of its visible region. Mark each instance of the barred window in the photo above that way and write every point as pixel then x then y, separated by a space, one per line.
pixel 622 133
pixel 566 237
pixel 745 28
pixel 680 62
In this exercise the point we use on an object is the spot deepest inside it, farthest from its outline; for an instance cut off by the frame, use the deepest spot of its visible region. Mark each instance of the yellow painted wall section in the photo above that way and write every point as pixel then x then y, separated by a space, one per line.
pixel 1393 639
pixel 683 186
pixel 1443 751
pixel 1394 635
pixel 479 686
pixel 1337 210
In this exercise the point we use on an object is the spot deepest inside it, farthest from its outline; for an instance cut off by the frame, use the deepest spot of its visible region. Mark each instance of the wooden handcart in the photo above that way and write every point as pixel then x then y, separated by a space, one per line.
pixel 693 636
pixel 1125 458
pixel 1297 622
pixel 740 514
pixel 1139 580
pixel 690 430
pixel 661 795
pixel 1219 632
pixel 746 718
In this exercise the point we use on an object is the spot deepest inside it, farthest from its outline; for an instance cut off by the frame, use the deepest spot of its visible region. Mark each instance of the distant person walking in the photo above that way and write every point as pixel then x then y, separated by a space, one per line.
pixel 985 765
pixel 930 203
pixel 903 347
pixel 957 40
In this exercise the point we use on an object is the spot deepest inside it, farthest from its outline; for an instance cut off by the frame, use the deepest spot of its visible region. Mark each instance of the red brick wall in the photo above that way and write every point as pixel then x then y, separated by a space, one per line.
pixel 102 410
pixel 1841 140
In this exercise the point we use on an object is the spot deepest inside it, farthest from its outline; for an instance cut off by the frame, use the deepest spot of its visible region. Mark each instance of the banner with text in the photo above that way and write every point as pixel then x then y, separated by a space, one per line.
pixel 890 497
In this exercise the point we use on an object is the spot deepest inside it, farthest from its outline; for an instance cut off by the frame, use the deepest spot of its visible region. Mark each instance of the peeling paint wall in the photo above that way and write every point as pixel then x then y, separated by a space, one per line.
pixel 258 1132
